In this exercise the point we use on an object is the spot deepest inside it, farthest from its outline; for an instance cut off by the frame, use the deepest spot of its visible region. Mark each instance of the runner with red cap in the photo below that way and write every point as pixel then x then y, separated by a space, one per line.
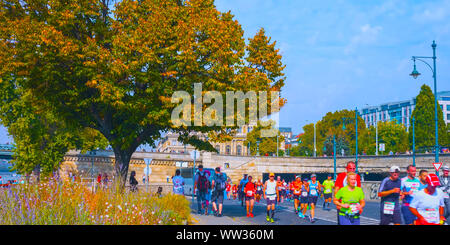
pixel 428 204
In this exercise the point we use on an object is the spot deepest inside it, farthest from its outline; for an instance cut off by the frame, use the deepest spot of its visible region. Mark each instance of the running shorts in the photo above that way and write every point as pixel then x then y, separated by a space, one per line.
pixel 395 218
pixel 313 199
pixel 247 198
pixel 327 195
pixel 304 200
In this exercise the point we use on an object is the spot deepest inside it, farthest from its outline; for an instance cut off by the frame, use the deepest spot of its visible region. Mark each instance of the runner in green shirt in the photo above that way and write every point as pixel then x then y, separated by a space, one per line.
pixel 328 185
pixel 350 200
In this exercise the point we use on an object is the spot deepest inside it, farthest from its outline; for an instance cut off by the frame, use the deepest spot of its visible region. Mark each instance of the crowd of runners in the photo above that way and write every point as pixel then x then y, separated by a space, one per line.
pixel 411 200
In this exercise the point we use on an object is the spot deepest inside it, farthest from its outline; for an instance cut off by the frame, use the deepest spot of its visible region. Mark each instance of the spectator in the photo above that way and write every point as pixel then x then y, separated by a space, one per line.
pixel 133 182
pixel 201 184
pixel 178 183
pixel 105 180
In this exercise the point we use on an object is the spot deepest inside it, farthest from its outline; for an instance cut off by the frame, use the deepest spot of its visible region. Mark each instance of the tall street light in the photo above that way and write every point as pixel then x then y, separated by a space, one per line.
pixel 356 131
pixel 415 74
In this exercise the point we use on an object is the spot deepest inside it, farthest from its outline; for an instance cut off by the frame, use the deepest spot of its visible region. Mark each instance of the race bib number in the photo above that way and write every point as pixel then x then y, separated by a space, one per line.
pixel 249 193
pixel 415 187
pixel 389 207
pixel 272 197
pixel 296 192
pixel 354 208
pixel 327 191
pixel 304 194
pixel 431 215
pixel 446 195
pixel 313 192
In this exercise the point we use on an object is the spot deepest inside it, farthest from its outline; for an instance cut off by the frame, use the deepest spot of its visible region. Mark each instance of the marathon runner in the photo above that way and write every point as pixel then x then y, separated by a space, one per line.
pixel 280 189
pixel 389 192
pixel 296 191
pixel 410 186
pixel 241 189
pixel 228 190
pixel 259 190
pixel 234 190
pixel 428 204
pixel 445 187
pixel 250 190
pixel 328 185
pixel 341 180
pixel 423 174
pixel 304 200
pixel 313 195
pixel 349 201
pixel 271 195
pixel 291 191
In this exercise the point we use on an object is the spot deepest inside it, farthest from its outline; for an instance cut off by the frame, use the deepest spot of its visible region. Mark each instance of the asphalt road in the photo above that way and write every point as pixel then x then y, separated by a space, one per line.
pixel 234 213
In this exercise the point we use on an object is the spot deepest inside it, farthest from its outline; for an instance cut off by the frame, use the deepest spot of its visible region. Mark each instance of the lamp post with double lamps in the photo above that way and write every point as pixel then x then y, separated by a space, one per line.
pixel 415 74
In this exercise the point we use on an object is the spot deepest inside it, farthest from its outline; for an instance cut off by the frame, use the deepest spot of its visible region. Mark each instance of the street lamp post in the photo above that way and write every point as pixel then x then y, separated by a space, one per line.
pixel 415 74
pixel 257 147
pixel 92 153
pixel 414 142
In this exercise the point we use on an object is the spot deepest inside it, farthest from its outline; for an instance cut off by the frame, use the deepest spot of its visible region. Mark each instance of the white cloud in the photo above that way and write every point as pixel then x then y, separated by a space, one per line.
pixel 366 35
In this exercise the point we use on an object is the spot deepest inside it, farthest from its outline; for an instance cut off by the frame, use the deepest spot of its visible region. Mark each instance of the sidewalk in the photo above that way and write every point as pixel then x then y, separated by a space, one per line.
pixel 198 219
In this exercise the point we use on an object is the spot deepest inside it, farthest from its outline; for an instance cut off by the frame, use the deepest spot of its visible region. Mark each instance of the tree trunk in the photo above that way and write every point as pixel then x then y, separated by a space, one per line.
pixel 122 162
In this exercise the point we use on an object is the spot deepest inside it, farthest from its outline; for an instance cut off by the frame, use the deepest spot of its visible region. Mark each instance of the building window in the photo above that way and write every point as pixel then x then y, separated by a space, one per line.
pixel 228 150
pixel 218 149
pixel 238 150
pixel 448 116
pixel 448 107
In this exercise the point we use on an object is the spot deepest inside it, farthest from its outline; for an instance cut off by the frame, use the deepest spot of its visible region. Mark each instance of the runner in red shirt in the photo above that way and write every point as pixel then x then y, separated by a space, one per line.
pixel 228 190
pixel 341 181
pixel 250 191
pixel 234 190
pixel 296 191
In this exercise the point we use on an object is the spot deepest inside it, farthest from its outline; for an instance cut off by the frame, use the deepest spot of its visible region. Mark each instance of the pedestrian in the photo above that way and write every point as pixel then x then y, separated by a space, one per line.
pixel 296 190
pixel 259 190
pixel 328 185
pixel 242 184
pixel 234 189
pixel 445 187
pixel 228 190
pixel 349 201
pixel 105 180
pixel 218 185
pixel 178 183
pixel 133 182
pixel 342 177
pixel 143 179
pixel 410 185
pixel 389 192
pixel 250 190
pixel 271 195
pixel 99 180
pixel 304 200
pixel 313 194
pixel 428 204
pixel 201 184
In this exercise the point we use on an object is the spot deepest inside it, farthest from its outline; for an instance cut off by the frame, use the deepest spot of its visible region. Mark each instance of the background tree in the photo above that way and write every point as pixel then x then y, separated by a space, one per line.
pixel 41 140
pixel 424 125
pixel 267 145
pixel 115 68
pixel 392 134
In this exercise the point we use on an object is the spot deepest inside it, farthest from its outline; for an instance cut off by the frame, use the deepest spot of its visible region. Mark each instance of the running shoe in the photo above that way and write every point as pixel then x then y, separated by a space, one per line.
pixel 268 218
pixel 301 215
pixel 271 220
pixel 313 220
pixel 251 215
pixel 248 215
pixel 219 215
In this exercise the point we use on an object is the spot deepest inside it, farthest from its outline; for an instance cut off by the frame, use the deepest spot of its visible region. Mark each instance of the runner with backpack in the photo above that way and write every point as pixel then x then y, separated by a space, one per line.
pixel 202 186
pixel 218 185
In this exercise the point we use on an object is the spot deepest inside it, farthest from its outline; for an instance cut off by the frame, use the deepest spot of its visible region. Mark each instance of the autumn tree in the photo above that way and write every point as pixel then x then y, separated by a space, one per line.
pixel 114 68
pixel 391 133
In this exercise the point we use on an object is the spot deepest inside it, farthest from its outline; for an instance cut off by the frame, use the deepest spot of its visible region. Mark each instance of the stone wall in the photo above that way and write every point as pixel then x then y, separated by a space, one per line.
pixel 163 165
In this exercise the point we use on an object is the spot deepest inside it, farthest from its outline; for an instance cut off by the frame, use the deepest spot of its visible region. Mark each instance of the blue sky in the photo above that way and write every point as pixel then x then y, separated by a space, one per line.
pixel 346 54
